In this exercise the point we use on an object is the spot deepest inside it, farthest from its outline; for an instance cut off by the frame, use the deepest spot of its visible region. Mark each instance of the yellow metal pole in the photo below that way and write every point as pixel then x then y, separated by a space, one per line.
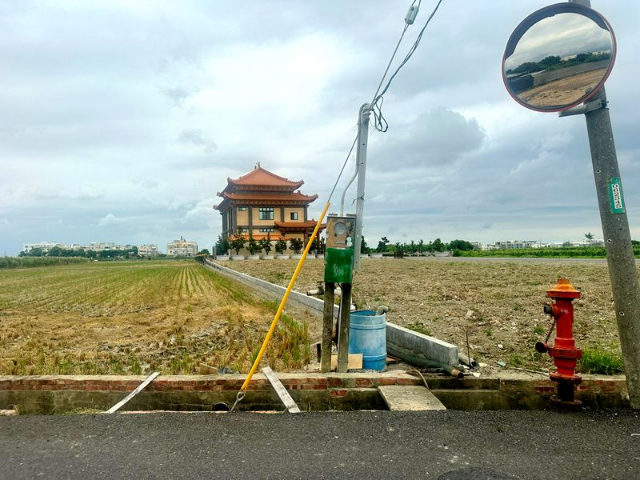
pixel 284 300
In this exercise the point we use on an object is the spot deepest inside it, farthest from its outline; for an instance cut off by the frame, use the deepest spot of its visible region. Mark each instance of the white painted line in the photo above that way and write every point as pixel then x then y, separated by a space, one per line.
pixel 118 405
pixel 280 390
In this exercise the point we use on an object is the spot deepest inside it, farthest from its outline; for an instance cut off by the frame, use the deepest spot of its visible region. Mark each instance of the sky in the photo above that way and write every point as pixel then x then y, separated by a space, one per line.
pixel 562 35
pixel 119 121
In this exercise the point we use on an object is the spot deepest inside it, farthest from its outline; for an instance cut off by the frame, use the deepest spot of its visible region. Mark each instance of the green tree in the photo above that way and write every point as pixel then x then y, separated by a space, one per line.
pixel 314 246
pixel 265 244
pixel 253 246
pixel 460 245
pixel 437 245
pixel 204 251
pixel 222 245
pixel 296 244
pixel 237 243
pixel 420 245
pixel 382 244
pixel 550 60
pixel 55 252
pixel 281 245
pixel 363 246
pixel 589 237
pixel 527 67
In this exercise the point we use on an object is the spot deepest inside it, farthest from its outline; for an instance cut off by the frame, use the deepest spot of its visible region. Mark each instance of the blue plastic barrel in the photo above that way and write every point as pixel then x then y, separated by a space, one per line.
pixel 368 335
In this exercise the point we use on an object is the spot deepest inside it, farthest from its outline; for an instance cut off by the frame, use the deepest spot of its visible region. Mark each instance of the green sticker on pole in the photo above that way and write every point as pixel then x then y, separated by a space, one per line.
pixel 615 195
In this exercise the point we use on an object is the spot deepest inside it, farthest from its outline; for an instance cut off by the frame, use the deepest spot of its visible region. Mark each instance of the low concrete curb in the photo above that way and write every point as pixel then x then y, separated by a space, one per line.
pixel 46 394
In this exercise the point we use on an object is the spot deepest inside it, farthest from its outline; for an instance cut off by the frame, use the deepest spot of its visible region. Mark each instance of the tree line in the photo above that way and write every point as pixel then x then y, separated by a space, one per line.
pixel 265 244
pixel 82 253
pixel 420 247
pixel 554 62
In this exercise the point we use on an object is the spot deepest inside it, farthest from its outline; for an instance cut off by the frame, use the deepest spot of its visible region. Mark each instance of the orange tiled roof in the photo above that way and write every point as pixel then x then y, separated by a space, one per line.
pixel 259 198
pixel 262 177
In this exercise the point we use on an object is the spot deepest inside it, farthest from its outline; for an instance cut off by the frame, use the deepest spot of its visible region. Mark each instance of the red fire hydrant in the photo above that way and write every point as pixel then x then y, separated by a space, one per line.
pixel 564 353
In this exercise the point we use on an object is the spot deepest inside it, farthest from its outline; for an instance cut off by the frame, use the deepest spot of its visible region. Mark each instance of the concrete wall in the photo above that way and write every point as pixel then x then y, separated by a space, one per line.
pixel 419 349
pixel 274 291
pixel 551 75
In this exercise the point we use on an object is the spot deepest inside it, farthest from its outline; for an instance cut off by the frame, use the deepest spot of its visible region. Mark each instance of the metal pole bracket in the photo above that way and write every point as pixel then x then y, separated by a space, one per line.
pixel 584 108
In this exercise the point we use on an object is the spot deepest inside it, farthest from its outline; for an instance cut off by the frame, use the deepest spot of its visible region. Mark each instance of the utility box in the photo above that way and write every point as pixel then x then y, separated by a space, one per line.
pixel 339 249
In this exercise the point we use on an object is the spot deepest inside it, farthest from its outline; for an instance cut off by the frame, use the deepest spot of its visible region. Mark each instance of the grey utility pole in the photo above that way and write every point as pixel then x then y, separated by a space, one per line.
pixel 615 228
pixel 361 162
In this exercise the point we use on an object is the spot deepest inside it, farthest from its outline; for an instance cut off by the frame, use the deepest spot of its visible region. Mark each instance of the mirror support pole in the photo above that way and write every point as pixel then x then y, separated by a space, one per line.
pixel 615 228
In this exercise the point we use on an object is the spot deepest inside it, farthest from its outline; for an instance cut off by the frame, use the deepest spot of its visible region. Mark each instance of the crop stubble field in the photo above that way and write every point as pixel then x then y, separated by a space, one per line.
pixel 137 317
pixel 174 317
pixel 498 302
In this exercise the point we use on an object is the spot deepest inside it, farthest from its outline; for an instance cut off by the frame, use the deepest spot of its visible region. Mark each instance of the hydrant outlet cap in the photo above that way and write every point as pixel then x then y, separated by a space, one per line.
pixel 563 289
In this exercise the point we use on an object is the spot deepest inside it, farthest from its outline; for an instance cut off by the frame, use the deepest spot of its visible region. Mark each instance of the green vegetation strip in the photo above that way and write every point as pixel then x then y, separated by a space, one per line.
pixel 569 252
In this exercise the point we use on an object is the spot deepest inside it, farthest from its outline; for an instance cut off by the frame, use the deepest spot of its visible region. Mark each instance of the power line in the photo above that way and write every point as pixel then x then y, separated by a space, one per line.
pixel 378 97
pixel 376 106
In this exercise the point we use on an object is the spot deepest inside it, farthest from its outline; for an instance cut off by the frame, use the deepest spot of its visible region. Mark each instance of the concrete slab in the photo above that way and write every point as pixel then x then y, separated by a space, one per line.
pixel 409 398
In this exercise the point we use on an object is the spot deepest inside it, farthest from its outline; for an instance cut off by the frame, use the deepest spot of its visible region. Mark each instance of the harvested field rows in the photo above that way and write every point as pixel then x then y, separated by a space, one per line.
pixel 499 303
pixel 135 317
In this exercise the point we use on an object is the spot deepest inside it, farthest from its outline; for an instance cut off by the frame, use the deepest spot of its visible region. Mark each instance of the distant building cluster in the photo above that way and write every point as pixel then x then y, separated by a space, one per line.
pixel 148 250
pixel 182 248
pixel 177 248
pixel 517 244
pixel 45 247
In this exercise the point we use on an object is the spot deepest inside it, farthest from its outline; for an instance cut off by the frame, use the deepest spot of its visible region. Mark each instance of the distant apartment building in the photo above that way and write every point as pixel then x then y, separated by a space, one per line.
pixel 99 247
pixel 44 246
pixel 513 244
pixel 182 248
pixel 148 250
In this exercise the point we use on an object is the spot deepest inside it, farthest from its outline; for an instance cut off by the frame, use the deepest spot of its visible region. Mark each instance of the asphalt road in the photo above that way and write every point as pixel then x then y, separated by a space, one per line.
pixel 439 445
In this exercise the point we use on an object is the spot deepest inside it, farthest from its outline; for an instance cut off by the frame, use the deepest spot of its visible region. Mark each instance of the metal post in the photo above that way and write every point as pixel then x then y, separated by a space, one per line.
pixel 343 335
pixel 361 159
pixel 327 327
pixel 615 228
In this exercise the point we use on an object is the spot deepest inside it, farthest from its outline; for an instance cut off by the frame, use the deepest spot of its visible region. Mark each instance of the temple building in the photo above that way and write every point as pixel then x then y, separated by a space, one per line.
pixel 261 203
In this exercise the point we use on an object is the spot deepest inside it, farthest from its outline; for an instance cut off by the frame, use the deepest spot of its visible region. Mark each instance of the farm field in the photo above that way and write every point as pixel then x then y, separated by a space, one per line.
pixel 498 303
pixel 138 317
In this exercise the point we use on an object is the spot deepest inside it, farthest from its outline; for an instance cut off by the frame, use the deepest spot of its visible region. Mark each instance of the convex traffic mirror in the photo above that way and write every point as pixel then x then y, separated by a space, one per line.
pixel 558 57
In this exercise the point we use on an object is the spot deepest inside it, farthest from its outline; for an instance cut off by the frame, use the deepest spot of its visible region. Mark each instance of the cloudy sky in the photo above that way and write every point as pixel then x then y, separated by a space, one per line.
pixel 119 121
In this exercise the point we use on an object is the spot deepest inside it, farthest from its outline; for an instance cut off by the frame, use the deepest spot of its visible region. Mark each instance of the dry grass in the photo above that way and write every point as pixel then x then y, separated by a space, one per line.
pixel 136 317
pixel 505 298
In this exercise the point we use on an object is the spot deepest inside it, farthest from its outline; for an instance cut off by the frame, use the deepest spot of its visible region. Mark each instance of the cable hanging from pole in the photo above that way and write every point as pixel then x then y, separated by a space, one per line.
pixel 376 105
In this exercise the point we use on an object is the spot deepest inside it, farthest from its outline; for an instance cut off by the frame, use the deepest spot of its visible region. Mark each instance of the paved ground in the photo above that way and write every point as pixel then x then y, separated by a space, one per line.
pixel 445 445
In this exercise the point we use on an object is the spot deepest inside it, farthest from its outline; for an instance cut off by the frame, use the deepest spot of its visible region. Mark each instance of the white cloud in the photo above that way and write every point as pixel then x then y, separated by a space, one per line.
pixel 109 220
pixel 121 120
